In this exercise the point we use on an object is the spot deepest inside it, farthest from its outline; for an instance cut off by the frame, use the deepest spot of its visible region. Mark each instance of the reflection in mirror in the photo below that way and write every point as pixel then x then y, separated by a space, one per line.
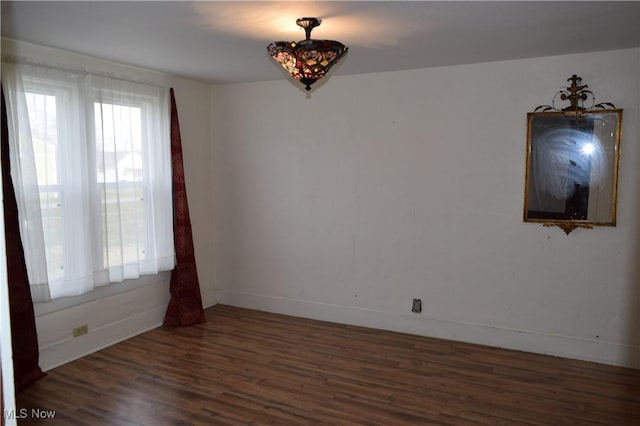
pixel 572 163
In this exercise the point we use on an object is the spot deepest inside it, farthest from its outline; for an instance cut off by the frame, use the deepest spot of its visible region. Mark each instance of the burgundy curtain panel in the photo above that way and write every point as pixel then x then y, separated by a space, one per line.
pixel 185 305
pixel 24 337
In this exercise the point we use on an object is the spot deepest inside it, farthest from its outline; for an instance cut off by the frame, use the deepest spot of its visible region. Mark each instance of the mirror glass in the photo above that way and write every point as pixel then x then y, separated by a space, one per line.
pixel 572 167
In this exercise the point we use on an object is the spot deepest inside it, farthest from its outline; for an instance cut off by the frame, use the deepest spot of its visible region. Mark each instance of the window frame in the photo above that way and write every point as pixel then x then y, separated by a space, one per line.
pixel 77 98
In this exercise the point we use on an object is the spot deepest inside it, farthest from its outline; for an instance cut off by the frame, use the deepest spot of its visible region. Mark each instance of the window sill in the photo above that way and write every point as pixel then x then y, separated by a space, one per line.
pixel 99 293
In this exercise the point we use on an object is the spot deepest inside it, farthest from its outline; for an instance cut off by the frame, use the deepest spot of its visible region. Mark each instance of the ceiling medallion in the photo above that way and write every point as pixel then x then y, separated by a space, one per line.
pixel 307 60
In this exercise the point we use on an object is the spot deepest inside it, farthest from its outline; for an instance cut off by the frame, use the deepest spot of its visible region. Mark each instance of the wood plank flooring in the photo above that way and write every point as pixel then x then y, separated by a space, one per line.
pixel 249 367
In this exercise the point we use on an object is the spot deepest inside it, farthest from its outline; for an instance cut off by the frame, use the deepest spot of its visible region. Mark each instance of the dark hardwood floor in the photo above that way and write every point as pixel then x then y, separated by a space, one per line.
pixel 249 367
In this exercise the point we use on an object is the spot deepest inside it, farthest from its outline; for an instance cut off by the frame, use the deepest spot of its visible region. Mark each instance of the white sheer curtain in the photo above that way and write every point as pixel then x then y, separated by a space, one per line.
pixel 101 151
pixel 133 158
pixel 25 182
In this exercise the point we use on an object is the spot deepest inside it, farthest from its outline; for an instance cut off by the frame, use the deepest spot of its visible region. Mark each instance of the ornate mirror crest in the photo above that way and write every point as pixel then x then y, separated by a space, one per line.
pixel 572 161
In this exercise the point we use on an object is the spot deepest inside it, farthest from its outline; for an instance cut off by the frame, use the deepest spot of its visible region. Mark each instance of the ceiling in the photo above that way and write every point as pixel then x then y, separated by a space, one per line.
pixel 225 42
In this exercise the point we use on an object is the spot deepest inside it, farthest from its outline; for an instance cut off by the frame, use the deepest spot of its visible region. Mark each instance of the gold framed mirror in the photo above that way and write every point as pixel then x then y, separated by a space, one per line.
pixel 572 161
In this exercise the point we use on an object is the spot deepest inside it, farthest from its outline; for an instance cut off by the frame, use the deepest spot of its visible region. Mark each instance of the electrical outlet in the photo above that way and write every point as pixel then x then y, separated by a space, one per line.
pixel 417 306
pixel 81 330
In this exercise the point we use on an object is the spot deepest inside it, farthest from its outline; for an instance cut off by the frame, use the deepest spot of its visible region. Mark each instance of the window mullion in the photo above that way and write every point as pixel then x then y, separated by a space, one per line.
pixel 96 151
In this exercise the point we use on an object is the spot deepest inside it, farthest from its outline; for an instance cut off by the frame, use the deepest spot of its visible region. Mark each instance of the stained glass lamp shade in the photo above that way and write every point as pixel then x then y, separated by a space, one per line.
pixel 307 60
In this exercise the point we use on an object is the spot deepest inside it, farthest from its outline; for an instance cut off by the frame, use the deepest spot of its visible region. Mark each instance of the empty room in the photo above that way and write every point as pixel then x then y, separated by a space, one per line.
pixel 308 212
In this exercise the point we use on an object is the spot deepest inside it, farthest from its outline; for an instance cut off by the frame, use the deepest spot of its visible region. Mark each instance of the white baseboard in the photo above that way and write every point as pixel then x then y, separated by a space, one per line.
pixel 209 299
pixel 529 341
pixel 65 351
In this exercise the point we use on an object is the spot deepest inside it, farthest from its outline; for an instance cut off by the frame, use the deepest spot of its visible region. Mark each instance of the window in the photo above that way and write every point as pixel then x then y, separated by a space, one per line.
pixel 44 135
pixel 121 173
pixel 101 154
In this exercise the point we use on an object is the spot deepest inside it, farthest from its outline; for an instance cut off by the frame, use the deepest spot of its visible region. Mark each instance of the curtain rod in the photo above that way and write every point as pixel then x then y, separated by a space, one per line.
pixel 79 70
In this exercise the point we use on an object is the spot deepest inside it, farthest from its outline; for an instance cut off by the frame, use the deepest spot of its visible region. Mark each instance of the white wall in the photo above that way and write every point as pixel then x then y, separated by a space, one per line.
pixel 380 188
pixel 123 310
